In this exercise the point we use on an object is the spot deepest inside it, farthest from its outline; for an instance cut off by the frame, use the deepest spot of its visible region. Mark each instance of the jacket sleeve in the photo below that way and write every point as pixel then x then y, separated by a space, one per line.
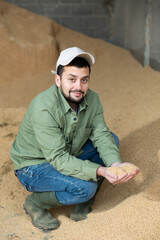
pixel 103 140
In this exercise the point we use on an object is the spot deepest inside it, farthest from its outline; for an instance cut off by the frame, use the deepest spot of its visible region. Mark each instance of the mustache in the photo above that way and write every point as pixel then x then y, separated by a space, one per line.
pixel 77 91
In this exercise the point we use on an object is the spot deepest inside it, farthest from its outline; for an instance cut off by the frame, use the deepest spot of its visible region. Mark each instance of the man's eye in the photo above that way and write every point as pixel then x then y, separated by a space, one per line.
pixel 84 80
pixel 71 79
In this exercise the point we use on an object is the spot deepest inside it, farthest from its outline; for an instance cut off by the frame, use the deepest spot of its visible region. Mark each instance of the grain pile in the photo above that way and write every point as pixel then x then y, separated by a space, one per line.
pixel 130 94
pixel 127 168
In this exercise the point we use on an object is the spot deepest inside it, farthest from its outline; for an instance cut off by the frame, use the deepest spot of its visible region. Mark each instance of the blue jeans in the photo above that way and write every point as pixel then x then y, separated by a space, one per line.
pixel 69 190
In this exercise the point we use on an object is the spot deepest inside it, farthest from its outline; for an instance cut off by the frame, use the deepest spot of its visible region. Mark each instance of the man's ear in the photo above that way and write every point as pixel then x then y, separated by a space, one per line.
pixel 57 80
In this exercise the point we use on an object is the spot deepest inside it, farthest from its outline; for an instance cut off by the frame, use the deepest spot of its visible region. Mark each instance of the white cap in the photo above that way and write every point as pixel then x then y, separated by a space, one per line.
pixel 67 55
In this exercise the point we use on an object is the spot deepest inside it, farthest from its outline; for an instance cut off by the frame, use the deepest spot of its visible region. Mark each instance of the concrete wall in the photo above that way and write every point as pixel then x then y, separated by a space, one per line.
pixel 129 25
pixel 91 17
pixel 155 36
pixel 136 27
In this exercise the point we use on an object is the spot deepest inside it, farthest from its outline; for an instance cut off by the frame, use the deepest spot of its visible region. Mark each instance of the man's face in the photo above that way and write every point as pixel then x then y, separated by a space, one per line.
pixel 74 83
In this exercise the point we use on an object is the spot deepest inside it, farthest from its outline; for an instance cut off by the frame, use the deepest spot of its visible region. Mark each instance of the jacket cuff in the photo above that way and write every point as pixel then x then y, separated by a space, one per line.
pixel 91 172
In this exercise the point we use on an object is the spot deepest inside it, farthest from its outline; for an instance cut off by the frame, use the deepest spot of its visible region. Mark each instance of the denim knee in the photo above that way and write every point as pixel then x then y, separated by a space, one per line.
pixel 85 191
pixel 90 190
pixel 77 193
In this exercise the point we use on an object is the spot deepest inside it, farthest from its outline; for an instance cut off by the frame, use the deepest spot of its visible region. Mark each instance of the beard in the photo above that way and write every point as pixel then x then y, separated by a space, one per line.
pixel 70 99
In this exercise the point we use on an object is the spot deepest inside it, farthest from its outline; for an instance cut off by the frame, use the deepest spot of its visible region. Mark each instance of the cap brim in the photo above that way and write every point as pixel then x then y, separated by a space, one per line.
pixel 89 58
pixel 54 72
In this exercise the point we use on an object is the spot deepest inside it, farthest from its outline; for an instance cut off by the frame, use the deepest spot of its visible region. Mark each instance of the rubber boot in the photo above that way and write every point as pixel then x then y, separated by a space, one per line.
pixel 80 211
pixel 36 206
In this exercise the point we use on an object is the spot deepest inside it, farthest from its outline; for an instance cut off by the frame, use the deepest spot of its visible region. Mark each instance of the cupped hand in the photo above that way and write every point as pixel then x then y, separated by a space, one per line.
pixel 132 174
pixel 115 179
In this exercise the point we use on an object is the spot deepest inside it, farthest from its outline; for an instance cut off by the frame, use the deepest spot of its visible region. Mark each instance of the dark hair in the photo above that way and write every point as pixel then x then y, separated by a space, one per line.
pixel 76 62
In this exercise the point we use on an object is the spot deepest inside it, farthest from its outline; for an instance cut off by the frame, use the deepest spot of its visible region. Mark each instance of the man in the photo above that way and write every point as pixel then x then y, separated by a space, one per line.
pixel 63 149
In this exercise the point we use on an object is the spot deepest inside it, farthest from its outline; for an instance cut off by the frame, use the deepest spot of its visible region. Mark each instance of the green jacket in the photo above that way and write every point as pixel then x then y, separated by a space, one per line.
pixel 52 132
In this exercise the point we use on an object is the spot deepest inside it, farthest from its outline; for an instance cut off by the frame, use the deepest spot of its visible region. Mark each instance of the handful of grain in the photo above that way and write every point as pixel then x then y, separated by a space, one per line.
pixel 126 168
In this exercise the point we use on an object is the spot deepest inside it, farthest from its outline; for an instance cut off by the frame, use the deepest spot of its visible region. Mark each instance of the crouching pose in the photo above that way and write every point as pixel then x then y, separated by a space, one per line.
pixel 63 149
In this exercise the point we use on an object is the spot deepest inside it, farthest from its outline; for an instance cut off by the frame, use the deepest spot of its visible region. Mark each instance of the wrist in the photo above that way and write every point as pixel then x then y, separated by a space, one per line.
pixel 99 171
pixel 115 164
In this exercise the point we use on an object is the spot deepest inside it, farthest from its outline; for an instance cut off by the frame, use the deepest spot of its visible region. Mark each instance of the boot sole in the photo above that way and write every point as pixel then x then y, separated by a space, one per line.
pixel 41 228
